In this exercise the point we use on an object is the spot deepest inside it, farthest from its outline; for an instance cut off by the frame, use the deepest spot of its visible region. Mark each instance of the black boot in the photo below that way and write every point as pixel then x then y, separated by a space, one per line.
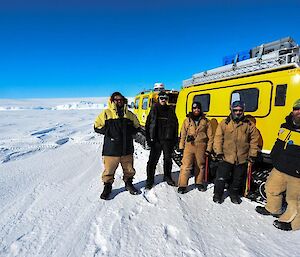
pixel 149 185
pixel 217 198
pixel 219 189
pixel 106 191
pixel 201 187
pixel 129 187
pixel 263 211
pixel 169 180
pixel 282 225
pixel 235 199
pixel 181 190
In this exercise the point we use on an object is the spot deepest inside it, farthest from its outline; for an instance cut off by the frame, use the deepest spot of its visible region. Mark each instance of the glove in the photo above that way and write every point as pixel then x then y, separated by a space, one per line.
pixel 252 159
pixel 139 130
pixel 150 143
pixel 220 157
pixel 179 151
pixel 207 153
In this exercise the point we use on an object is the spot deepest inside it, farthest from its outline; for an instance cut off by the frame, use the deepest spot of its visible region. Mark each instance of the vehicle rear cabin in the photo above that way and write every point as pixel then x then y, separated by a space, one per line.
pixel 266 78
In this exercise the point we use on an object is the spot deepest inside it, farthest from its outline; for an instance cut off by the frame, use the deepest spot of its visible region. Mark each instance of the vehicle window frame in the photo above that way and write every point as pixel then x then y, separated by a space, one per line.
pixel 280 99
pixel 203 107
pixel 143 103
pixel 136 103
pixel 245 99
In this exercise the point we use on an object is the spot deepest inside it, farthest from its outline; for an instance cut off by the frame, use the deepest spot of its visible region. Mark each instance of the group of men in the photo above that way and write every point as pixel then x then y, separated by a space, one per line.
pixel 234 145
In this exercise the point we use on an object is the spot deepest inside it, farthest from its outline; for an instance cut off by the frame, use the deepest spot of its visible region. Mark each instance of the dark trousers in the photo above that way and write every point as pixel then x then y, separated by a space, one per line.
pixel 234 174
pixel 162 146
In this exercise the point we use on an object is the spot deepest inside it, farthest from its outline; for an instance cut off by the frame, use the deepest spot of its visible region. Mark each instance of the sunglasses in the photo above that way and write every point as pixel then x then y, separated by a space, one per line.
pixel 296 108
pixel 163 98
pixel 196 108
pixel 237 110
pixel 118 99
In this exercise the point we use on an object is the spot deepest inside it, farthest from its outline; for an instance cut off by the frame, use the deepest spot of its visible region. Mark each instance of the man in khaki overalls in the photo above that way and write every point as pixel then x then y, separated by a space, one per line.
pixel 196 139
pixel 235 143
pixel 285 176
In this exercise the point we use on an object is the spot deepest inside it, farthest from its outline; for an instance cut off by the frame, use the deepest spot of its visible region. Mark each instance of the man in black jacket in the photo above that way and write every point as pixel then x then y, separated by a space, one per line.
pixel 118 125
pixel 161 136
pixel 285 176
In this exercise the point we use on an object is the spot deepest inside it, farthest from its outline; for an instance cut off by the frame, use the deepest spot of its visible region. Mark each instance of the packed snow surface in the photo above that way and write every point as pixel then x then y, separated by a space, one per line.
pixel 50 170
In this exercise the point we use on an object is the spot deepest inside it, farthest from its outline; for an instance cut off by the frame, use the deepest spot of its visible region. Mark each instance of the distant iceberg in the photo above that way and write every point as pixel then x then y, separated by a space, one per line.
pixel 82 105
pixel 20 108
pixel 53 104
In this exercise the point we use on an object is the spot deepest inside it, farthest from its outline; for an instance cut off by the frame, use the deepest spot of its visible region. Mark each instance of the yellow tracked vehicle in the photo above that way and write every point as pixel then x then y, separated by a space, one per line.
pixel 266 78
pixel 143 103
pixel 268 83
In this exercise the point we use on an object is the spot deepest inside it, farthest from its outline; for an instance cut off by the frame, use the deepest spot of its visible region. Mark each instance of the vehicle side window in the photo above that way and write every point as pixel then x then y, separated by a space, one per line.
pixel 150 102
pixel 248 96
pixel 145 103
pixel 204 100
pixel 280 95
pixel 136 104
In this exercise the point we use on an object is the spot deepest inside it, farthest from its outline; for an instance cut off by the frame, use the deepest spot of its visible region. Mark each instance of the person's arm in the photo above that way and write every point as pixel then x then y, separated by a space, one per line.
pixel 176 127
pixel 219 140
pixel 135 123
pixel 210 136
pixel 99 125
pixel 254 140
pixel 183 133
pixel 147 127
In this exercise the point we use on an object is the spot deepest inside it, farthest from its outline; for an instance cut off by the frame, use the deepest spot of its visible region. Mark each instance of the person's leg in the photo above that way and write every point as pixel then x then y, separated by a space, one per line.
pixel 186 166
pixel 127 165
pixel 296 221
pixel 167 147
pixel 238 179
pixel 129 172
pixel 292 199
pixel 111 163
pixel 275 186
pixel 155 152
pixel 200 163
pixel 223 175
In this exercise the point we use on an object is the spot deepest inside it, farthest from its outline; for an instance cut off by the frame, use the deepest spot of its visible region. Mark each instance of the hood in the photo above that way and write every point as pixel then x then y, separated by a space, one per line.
pixel 229 118
pixel 113 106
pixel 290 122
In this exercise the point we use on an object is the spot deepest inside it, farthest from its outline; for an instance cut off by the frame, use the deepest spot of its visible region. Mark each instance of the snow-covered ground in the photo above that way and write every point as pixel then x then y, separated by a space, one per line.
pixel 50 167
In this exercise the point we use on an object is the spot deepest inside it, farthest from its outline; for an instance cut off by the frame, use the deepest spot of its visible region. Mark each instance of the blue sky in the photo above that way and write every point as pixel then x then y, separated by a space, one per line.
pixel 92 48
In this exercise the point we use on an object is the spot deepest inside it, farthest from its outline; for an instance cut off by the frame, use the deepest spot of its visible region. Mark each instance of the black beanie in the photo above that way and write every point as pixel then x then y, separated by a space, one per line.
pixel 196 104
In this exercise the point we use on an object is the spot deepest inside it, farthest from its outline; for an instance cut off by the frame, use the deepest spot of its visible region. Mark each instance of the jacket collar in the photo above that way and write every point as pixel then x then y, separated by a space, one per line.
pixel 290 122
pixel 112 106
pixel 229 118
